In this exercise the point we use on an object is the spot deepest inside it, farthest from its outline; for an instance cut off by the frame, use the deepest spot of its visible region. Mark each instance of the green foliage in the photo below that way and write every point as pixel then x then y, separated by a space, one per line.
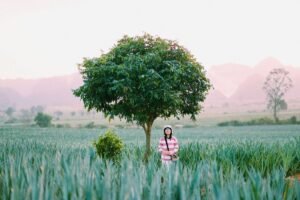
pixel 9 111
pixel 63 125
pixel 90 125
pixel 59 126
pixel 109 146
pixel 43 120
pixel 293 120
pixel 142 78
pixel 283 105
pixel 36 109
pixel 62 165
pixel 260 121
pixel 25 116
pixel 190 126
pixel 11 120
pixel 245 155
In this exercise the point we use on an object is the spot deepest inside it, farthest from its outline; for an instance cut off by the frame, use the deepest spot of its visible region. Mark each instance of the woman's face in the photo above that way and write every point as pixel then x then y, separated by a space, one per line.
pixel 168 131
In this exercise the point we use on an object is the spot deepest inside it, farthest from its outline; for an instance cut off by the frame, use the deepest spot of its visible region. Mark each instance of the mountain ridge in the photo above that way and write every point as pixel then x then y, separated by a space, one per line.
pixel 233 84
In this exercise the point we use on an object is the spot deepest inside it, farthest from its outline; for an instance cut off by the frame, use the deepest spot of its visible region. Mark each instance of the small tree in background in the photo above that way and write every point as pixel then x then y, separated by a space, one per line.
pixel 81 113
pixel 73 113
pixel 25 116
pixel 36 109
pixel 9 111
pixel 276 85
pixel 283 105
pixel 43 120
pixel 143 78
pixel 58 114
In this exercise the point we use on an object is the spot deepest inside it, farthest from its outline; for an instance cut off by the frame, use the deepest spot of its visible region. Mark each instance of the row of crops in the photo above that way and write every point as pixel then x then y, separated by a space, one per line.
pixel 52 164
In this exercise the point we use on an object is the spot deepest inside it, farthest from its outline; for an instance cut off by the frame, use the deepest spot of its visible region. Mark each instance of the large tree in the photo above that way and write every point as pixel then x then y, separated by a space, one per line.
pixel 142 78
pixel 276 85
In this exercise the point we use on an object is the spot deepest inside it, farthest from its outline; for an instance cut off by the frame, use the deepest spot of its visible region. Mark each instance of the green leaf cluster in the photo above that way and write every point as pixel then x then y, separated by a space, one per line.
pixel 142 78
pixel 43 120
pixel 109 146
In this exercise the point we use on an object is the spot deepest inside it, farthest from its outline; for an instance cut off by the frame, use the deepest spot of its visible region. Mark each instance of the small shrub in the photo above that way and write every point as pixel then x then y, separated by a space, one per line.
pixel 11 121
pixel 190 126
pixel 43 120
pixel 253 122
pixel 90 125
pixel 59 126
pixel 67 125
pixel 157 127
pixel 231 123
pixel 63 126
pixel 102 126
pixel 293 120
pixel 265 120
pixel 120 126
pixel 109 146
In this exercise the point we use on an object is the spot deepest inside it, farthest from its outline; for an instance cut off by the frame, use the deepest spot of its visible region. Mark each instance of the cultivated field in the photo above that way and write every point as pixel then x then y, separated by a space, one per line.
pixel 215 163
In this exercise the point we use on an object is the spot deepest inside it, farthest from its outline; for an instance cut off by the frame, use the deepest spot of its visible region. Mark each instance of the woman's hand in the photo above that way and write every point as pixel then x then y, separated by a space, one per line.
pixel 167 153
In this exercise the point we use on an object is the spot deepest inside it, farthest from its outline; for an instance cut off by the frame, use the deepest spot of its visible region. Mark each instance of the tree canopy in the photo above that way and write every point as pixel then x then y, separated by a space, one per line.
pixel 43 120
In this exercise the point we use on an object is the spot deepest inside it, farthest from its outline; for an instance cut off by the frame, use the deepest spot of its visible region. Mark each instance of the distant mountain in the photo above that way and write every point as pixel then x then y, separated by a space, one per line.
pixel 233 84
pixel 54 91
pixel 250 91
pixel 227 77
pixel 265 66
pixel 9 97
pixel 23 86
pixel 254 83
pixel 215 98
pixel 242 84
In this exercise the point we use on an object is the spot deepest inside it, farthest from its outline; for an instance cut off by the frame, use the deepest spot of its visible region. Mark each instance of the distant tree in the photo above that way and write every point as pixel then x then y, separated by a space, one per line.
pixel 94 113
pixel 283 105
pixel 36 109
pixel 25 115
pixel 9 111
pixel 43 120
pixel 91 113
pixel 82 113
pixel 143 78
pixel 58 114
pixel 276 85
pixel 73 113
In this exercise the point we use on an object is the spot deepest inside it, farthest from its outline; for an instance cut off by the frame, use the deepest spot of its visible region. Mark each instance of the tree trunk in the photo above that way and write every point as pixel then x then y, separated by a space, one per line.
pixel 147 128
pixel 275 114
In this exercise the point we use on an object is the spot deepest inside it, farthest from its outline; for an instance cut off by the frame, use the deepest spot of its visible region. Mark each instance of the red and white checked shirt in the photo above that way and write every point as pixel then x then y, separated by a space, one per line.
pixel 173 147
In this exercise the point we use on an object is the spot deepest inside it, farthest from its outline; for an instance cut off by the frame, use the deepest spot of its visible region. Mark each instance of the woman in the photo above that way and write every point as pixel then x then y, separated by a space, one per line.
pixel 168 146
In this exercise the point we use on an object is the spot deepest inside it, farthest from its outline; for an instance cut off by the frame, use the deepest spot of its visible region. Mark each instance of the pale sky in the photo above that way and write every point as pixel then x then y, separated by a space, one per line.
pixel 42 38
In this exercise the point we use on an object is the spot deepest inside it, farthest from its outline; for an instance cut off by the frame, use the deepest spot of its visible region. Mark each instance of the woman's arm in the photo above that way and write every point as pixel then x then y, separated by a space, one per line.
pixel 162 146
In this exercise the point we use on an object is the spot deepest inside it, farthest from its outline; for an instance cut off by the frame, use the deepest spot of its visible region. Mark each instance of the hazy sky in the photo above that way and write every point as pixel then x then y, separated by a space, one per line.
pixel 41 38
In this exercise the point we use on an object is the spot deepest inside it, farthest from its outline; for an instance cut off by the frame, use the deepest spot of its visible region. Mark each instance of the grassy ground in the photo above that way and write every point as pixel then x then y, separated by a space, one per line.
pixel 228 162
